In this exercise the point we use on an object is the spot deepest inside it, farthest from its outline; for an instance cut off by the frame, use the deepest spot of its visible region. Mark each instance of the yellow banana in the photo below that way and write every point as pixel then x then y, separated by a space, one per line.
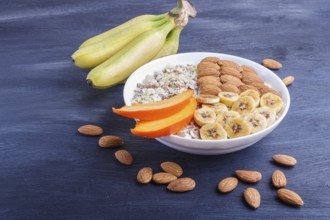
pixel 136 53
pixel 128 24
pixel 171 44
pixel 95 54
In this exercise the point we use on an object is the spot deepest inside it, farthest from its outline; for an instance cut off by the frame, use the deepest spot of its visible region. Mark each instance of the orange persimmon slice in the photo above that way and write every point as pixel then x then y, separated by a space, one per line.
pixel 156 110
pixel 166 126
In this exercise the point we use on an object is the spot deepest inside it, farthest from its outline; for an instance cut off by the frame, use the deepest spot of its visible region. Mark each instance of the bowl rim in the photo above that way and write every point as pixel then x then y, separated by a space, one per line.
pixel 284 92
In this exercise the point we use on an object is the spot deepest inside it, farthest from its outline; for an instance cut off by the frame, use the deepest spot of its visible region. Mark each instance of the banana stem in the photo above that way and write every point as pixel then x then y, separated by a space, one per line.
pixel 182 12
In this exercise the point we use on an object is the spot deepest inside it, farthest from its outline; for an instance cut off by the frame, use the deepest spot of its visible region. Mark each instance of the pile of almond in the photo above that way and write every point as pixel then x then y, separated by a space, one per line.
pixel 108 141
pixel 171 173
pixel 215 75
pixel 252 195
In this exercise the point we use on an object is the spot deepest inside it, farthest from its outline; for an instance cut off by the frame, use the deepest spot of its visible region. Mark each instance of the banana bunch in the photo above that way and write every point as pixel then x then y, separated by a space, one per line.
pixel 232 115
pixel 116 53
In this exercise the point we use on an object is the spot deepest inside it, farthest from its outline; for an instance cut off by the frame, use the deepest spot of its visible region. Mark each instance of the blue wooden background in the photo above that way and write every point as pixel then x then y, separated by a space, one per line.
pixel 48 171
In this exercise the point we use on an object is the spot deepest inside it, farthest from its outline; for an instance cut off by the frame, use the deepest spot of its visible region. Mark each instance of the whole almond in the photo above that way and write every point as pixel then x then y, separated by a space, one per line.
pixel 228 63
pixel 227 70
pixel 231 79
pixel 208 72
pixel 288 80
pixel 272 64
pixel 252 197
pixel 263 89
pixel 144 176
pixel 210 59
pixel 206 79
pixel 209 89
pixel 228 87
pixel 244 87
pixel 124 157
pixel 248 69
pixel 249 78
pixel 182 185
pixel 90 130
pixel 172 168
pixel 248 176
pixel 110 141
pixel 228 184
pixel 279 179
pixel 209 80
pixel 163 178
pixel 206 65
pixel 290 197
pixel 285 160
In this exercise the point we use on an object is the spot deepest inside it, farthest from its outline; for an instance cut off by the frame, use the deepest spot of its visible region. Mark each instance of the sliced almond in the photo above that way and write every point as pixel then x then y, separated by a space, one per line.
pixel 252 197
pixel 248 176
pixel 279 179
pixel 285 160
pixel 272 64
pixel 110 141
pixel 182 185
pixel 144 176
pixel 172 168
pixel 288 80
pixel 290 197
pixel 228 184
pixel 163 178
pixel 124 157
pixel 90 130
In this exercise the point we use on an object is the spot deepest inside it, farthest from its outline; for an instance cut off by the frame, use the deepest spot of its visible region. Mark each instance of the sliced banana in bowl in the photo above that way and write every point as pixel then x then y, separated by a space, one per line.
pixel 213 131
pixel 256 121
pixel 237 127
pixel 204 116
pixel 272 101
pixel 244 105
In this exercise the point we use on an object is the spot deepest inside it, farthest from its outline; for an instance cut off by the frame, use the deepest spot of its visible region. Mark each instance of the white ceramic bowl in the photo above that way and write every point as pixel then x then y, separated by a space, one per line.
pixel 209 147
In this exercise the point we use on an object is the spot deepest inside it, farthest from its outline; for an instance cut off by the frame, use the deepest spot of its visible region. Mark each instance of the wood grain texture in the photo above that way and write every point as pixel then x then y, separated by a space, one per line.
pixel 49 171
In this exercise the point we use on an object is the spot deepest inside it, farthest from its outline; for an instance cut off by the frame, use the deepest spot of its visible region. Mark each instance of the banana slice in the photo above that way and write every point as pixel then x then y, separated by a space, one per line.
pixel 208 99
pixel 237 127
pixel 224 117
pixel 254 94
pixel 217 107
pixel 272 101
pixel 213 131
pixel 228 98
pixel 256 121
pixel 244 105
pixel 204 116
pixel 268 113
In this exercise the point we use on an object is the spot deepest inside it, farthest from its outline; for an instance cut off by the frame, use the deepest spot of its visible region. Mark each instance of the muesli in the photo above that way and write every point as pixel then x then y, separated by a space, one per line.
pixel 164 84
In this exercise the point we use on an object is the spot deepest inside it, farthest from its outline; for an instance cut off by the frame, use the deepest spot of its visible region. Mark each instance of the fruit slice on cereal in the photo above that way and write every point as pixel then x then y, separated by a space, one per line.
pixel 156 110
pixel 166 126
